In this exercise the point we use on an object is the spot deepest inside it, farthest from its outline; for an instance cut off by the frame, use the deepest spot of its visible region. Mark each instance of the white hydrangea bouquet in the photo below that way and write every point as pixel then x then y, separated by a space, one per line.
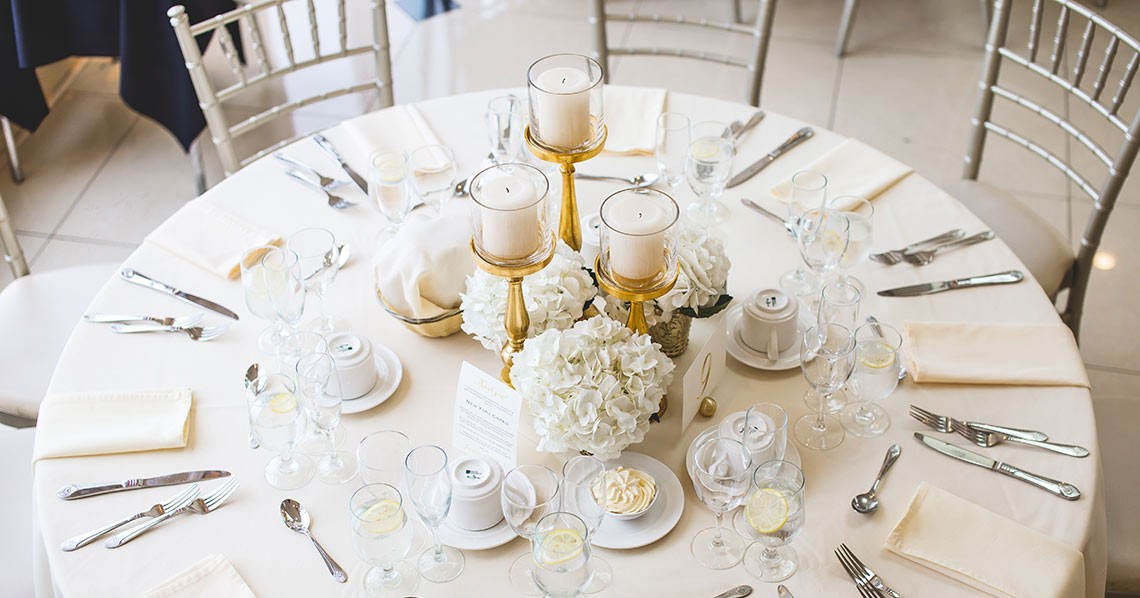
pixel 591 387
pixel 556 297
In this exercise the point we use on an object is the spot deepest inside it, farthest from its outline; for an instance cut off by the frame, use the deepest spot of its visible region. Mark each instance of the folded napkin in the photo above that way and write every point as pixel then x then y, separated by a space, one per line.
pixel 631 118
pixel 421 271
pixel 994 353
pixel 984 550
pixel 851 168
pixel 210 237
pixel 211 577
pixel 400 128
pixel 100 423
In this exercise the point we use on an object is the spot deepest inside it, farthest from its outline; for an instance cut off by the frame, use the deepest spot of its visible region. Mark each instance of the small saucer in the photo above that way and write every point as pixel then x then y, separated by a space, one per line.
pixel 464 539
pixel 389 374
pixel 656 522
pixel 752 358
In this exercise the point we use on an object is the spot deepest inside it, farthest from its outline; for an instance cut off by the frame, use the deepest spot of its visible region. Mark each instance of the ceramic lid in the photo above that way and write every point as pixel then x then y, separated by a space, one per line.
pixel 475 478
pixel 349 350
pixel 772 305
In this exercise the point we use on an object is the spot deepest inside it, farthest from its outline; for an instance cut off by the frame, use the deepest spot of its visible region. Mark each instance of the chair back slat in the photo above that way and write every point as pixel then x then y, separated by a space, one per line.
pixel 1083 53
pixel 229 50
pixel 1059 41
pixel 286 37
pixel 1034 29
pixel 253 31
pixel 13 253
pixel 1105 67
pixel 314 32
pixel 341 26
pixel 1125 84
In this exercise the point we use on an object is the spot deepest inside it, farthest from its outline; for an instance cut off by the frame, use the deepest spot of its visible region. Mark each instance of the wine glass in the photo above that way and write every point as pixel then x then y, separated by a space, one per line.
pixel 320 387
pixel 584 494
pixel 708 165
pixel 255 288
pixel 319 256
pixel 504 128
pixel 561 555
pixel 721 467
pixel 286 291
pixel 822 238
pixel 279 422
pixel 827 356
pixel 380 459
pixel 809 191
pixel 530 492
pixel 860 213
pixel 671 147
pixel 839 304
pixel 382 535
pixel 773 517
pixel 297 345
pixel 874 378
pixel 390 187
pixel 429 487
pixel 433 174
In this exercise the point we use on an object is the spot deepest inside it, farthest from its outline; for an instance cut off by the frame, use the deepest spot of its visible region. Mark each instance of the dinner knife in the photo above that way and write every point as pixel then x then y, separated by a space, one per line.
pixel 1065 490
pixel 138 278
pixel 737 592
pixel 799 137
pixel 331 151
pixel 73 491
pixel 1009 277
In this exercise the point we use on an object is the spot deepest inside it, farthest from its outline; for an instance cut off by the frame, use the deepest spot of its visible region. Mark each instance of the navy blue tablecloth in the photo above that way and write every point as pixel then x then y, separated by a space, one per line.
pixel 153 77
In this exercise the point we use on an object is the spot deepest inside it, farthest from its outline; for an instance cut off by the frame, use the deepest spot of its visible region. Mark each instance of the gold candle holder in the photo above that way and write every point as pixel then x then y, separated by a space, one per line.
pixel 637 296
pixel 569 225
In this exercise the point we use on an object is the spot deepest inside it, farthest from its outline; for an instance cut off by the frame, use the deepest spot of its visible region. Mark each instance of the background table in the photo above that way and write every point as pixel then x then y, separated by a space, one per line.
pixel 277 562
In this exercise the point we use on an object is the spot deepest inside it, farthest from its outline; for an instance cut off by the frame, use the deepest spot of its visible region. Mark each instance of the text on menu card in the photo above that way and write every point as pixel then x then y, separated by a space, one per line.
pixel 486 417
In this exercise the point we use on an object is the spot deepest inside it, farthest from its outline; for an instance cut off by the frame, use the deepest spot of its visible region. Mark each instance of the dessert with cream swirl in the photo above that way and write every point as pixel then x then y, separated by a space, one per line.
pixel 627 492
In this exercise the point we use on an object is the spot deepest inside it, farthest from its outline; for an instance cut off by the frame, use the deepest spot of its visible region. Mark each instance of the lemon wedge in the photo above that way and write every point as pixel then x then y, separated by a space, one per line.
pixel 383 517
pixel 766 510
pixel 283 402
pixel 876 355
pixel 704 149
pixel 561 545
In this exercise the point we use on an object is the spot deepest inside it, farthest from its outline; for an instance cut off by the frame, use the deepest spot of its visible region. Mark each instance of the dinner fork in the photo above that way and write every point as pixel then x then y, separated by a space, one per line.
pixel 946 425
pixel 335 201
pixel 197 333
pixel 895 256
pixel 865 590
pixel 922 258
pixel 101 318
pixel 987 439
pixel 199 506
pixel 867 576
pixel 328 183
pixel 173 503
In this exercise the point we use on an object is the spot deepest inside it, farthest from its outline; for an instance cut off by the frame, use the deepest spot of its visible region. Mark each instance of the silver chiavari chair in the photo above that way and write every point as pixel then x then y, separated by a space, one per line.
pixel 847 21
pixel 760 30
pixel 10 144
pixel 1044 250
pixel 264 71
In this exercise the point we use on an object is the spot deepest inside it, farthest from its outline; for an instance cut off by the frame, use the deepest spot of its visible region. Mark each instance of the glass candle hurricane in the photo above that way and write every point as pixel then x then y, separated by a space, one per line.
pixel 566 111
pixel 639 248
pixel 509 212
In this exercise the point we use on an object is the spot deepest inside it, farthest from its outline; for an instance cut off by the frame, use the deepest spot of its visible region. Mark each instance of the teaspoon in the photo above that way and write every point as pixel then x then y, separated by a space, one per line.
pixel 868 502
pixel 297 519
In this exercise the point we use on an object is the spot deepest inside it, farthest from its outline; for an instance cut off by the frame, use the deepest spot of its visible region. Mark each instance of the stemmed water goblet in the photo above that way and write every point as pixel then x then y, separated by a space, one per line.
pixel 773 517
pixel 561 552
pixel 320 388
pixel 284 287
pixel 839 304
pixel 429 487
pixel 382 534
pixel 721 469
pixel 390 188
pixel 255 288
pixel 279 423
pixel 380 460
pixel 584 494
pixel 809 191
pixel 822 237
pixel 318 256
pixel 874 378
pixel 708 165
pixel 504 128
pixel 671 148
pixel 529 493
pixel 860 214
pixel 827 356
pixel 433 174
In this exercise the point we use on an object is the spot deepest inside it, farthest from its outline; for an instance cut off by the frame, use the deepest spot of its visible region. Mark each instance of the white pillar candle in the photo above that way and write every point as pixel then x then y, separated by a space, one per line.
pixel 637 238
pixel 562 107
pixel 511 230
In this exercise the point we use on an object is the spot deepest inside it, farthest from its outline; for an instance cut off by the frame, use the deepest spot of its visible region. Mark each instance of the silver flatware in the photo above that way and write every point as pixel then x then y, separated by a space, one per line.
pixel 947 425
pixel 639 181
pixel 296 518
pixel 1065 490
pixel 737 592
pixel 865 589
pixel 327 183
pixel 986 439
pixel 924 257
pixel 199 506
pixel 895 256
pixel 174 502
pixel 748 203
pixel 138 278
pixel 344 251
pixel 334 200
pixel 862 574
pixel 738 128
pixel 74 491
pixel 101 318
pixel 324 144
pixel 797 138
pixel 1008 277
pixel 868 502
pixel 196 333
pixel 874 322
pixel 783 592
pixel 254 384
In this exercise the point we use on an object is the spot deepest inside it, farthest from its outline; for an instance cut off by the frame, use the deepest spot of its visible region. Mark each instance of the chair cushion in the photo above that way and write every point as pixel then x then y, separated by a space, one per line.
pixel 16 511
pixel 1038 244
pixel 1116 419
pixel 37 314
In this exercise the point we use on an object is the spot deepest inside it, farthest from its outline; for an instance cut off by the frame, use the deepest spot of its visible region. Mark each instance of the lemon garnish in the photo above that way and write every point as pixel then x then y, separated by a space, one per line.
pixel 283 402
pixel 561 545
pixel 876 355
pixel 383 517
pixel 833 242
pixel 766 510
pixel 704 149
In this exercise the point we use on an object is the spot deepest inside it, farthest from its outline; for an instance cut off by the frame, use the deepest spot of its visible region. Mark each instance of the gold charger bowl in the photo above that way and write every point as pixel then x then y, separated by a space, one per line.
pixel 445 324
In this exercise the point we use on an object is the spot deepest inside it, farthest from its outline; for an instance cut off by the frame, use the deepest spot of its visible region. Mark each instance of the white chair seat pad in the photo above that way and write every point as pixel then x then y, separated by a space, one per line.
pixel 1043 249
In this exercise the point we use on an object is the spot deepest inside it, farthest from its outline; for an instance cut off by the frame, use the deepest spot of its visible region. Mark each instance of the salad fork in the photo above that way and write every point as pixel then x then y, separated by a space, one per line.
pixel 100 318
pixel 895 256
pixel 199 506
pixel 986 439
pixel 947 425
pixel 922 258
pixel 335 201
pixel 866 577
pixel 173 503
pixel 865 590
pixel 197 333
pixel 328 183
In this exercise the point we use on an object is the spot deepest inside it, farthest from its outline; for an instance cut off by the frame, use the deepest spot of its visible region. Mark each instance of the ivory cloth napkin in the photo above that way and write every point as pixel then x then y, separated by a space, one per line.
pixel 993 353
pixel 210 237
pixel 211 577
pixel 631 118
pixel 421 271
pixel 105 422
pixel 399 129
pixel 851 168
pixel 984 550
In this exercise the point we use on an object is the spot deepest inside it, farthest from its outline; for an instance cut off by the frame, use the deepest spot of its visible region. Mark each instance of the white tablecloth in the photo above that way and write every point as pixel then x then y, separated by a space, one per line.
pixel 277 562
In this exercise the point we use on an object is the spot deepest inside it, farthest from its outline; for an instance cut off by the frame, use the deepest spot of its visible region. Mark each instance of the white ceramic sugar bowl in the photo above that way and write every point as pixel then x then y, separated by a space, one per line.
pixel 475 484
pixel 355 365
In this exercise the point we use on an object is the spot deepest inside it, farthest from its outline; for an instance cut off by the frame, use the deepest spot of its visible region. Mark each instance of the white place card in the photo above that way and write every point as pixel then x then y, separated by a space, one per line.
pixel 486 417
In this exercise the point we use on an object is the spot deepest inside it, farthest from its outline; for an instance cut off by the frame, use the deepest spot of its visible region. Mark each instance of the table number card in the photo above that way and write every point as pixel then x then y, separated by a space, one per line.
pixel 486 417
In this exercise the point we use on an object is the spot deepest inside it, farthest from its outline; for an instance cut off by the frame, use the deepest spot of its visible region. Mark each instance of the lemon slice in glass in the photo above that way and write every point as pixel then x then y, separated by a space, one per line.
pixel 283 402
pixel 876 355
pixel 704 149
pixel 766 510
pixel 561 545
pixel 383 517
pixel 833 242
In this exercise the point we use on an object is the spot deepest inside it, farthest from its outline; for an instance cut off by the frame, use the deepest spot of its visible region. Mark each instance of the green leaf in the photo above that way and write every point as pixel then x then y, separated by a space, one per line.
pixel 708 311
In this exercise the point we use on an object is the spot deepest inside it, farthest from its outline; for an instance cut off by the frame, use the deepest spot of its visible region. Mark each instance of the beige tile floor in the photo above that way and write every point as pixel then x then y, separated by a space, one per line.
pixel 99 177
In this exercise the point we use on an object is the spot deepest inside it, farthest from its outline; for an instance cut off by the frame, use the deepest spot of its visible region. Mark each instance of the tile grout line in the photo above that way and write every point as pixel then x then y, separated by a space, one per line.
pixel 1111 369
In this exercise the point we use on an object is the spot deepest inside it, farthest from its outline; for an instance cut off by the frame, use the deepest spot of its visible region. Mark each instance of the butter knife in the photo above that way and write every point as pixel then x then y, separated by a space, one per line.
pixel 1065 490
pixel 799 137
pixel 138 278
pixel 1010 277
pixel 737 592
pixel 331 151
pixel 74 491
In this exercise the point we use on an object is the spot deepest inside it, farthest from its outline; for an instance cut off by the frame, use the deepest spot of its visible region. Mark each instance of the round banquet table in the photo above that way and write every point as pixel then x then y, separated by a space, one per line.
pixel 277 562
